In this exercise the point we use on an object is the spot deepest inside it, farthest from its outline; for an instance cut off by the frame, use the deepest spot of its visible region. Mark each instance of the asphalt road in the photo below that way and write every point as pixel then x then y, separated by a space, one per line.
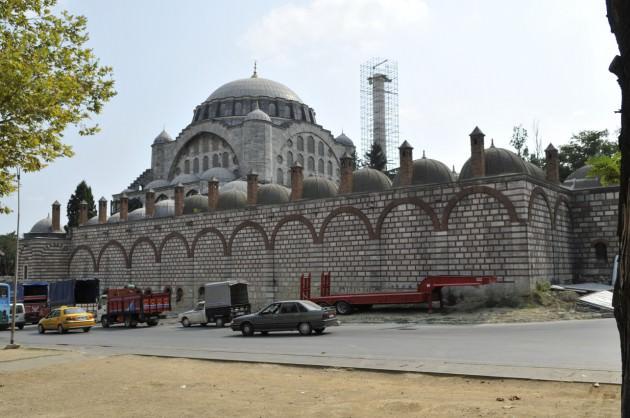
pixel 585 350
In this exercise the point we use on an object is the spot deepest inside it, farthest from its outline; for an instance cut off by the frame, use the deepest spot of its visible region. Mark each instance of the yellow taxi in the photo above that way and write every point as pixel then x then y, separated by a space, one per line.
pixel 66 318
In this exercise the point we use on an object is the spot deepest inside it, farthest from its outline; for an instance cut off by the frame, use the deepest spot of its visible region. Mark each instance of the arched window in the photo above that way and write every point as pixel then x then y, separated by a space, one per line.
pixel 601 251
pixel 201 292
pixel 205 112
pixel 206 145
pixel 161 197
pixel 179 294
pixel 272 109
pixel 226 160
pixel 206 162
pixel 195 147
pixel 215 145
pixel 187 167
pixel 320 149
pixel 301 159
pixel 280 176
pixel 289 158
pixel 300 144
pixel 330 168
pixel 215 160
pixel 238 108
pixel 310 145
pixel 320 166
pixel 196 165
pixel 311 163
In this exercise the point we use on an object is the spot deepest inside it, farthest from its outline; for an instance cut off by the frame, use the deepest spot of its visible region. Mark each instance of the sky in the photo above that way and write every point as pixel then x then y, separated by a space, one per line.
pixel 488 63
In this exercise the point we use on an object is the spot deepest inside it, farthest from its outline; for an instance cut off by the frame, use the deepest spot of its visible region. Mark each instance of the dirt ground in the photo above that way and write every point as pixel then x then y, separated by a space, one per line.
pixel 129 386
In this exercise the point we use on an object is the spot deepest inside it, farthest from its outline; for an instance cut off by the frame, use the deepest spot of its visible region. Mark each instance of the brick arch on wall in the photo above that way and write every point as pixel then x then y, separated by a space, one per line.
pixel 503 199
pixel 140 241
pixel 86 249
pixel 347 210
pixel 206 231
pixel 177 236
pixel 290 218
pixel 248 224
pixel 559 200
pixel 419 203
pixel 116 244
pixel 539 192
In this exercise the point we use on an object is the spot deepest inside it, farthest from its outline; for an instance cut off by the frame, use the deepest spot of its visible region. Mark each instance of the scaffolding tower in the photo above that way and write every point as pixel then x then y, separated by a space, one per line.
pixel 379 108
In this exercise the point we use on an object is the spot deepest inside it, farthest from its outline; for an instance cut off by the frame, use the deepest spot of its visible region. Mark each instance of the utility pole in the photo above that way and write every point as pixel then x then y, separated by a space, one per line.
pixel 17 259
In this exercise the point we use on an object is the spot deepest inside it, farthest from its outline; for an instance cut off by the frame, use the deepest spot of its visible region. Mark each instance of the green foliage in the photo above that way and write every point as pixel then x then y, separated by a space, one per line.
pixel 356 161
pixel 519 141
pixel 584 145
pixel 607 168
pixel 49 81
pixel 82 192
pixel 375 157
pixel 8 244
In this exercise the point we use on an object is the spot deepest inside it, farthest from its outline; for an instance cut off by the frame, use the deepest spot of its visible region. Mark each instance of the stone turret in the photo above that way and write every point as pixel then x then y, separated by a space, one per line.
pixel 179 200
pixel 347 167
pixel 56 216
pixel 149 203
pixel 477 153
pixel 297 181
pixel 406 164
pixel 552 168
pixel 252 188
pixel 213 193
pixel 124 207
pixel 102 210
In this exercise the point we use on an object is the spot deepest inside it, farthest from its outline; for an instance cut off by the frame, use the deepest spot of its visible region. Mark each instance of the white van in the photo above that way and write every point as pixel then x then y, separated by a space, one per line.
pixel 20 319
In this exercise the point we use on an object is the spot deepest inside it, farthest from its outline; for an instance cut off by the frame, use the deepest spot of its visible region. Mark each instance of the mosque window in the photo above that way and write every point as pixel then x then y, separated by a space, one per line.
pixel 206 145
pixel 311 163
pixel 206 162
pixel 310 145
pixel 206 109
pixel 272 109
pixel 215 160
pixel 301 159
pixel 601 251
pixel 226 160
pixel 289 143
pixel 215 145
pixel 195 147
pixel 320 149
pixel 300 143
pixel 303 114
pixel 289 158
pixel 238 108
pixel 330 168
pixel 320 166
pixel 279 159
pixel 179 294
pixel 280 176
pixel 196 165
pixel 187 167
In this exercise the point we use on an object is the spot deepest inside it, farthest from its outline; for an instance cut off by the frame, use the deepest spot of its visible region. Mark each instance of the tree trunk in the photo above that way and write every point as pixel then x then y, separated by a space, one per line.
pixel 619 19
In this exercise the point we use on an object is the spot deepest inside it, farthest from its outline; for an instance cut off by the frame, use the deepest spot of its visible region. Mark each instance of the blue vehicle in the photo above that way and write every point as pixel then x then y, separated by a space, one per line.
pixel 5 306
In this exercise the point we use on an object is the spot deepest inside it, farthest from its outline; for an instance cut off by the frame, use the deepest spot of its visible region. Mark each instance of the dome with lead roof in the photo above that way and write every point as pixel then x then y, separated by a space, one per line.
pixel 428 171
pixel 370 180
pixel 195 204
pixel 185 179
pixel 223 175
pixel 254 87
pixel 272 194
pixel 318 188
pixel 501 161
pixel 233 199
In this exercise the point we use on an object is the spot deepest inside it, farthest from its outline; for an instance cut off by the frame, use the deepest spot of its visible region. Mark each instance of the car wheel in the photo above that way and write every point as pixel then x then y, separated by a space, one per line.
pixel 86 329
pixel 343 308
pixel 186 322
pixel 60 329
pixel 264 332
pixel 319 331
pixel 152 322
pixel 203 324
pixel 128 322
pixel 104 321
pixel 21 326
pixel 219 322
pixel 41 329
pixel 305 328
pixel 247 329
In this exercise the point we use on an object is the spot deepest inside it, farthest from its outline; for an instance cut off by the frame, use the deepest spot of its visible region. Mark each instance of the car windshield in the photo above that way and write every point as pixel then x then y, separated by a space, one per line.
pixel 73 311
pixel 273 308
pixel 311 306
pixel 18 308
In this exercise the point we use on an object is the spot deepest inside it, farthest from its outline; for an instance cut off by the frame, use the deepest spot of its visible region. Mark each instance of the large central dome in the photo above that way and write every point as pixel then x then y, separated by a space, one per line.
pixel 254 87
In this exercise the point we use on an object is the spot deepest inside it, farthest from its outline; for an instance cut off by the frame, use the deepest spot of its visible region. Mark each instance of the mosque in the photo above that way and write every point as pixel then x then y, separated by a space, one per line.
pixel 255 189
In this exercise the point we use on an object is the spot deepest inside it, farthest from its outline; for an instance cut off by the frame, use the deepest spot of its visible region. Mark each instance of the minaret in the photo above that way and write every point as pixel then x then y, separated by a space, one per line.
pixel 378 109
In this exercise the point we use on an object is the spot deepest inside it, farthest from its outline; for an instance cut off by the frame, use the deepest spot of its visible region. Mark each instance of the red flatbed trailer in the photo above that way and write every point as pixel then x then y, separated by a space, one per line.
pixel 428 290
pixel 131 306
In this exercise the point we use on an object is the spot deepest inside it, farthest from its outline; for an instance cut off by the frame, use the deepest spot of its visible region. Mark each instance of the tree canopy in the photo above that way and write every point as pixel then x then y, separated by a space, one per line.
pixel 584 145
pixel 607 168
pixel 375 157
pixel 8 243
pixel 49 81
pixel 81 193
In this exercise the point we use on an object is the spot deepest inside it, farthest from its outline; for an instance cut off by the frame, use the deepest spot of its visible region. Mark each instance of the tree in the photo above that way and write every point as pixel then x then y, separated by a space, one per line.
pixel 608 169
pixel 49 81
pixel 618 13
pixel 519 141
pixel 537 157
pixel 375 157
pixel 356 161
pixel 7 260
pixel 81 193
pixel 584 145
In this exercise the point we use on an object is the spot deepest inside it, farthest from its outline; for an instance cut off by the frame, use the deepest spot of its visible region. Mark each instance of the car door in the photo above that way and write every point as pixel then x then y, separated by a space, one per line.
pixel 49 321
pixel 289 316
pixel 267 319
pixel 199 314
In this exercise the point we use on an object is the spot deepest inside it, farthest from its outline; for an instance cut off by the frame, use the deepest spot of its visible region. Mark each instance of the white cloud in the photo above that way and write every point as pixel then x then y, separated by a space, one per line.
pixel 351 26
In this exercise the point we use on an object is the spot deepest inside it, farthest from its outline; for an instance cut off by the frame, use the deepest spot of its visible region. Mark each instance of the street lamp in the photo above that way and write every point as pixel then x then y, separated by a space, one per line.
pixel 17 259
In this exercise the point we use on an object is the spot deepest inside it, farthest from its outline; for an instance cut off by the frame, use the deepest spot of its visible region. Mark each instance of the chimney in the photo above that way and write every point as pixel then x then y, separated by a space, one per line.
pixel 56 213
pixel 179 200
pixel 124 207
pixel 347 168
pixel 252 188
pixel 213 193
pixel 552 166
pixel 297 182
pixel 149 203
pixel 102 210
pixel 83 213
pixel 477 153
pixel 406 164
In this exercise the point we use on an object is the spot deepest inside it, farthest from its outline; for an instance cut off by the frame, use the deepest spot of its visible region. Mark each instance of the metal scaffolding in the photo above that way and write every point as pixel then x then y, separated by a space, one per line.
pixel 379 108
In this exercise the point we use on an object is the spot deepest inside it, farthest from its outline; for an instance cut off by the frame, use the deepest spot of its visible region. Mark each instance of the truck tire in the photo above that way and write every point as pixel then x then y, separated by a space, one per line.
pixel 219 322
pixel 305 328
pixel 343 308
pixel 247 329
pixel 152 322
pixel 104 321
pixel 186 322
pixel 128 322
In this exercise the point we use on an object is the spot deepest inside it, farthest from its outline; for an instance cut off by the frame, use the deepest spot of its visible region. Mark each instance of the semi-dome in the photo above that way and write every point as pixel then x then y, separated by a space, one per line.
pixel 501 161
pixel 272 194
pixel 258 114
pixel 254 87
pixel 136 214
pixel 580 179
pixel 344 140
pixel 185 179
pixel 222 174
pixel 428 171
pixel 232 199
pixel 164 208
pixel 318 188
pixel 157 184
pixel 93 220
pixel 195 204
pixel 370 180
pixel 239 185
pixel 162 138
pixel 114 218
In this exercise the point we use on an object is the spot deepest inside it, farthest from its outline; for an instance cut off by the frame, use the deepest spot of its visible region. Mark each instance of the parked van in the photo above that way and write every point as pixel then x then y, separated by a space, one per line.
pixel 20 317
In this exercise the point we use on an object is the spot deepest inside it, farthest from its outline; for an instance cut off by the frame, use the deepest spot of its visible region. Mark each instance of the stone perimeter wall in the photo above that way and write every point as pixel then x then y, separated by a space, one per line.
pixel 514 227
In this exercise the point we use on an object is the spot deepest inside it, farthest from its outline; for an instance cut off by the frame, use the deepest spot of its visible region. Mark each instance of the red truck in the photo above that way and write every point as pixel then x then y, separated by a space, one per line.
pixel 428 290
pixel 130 306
